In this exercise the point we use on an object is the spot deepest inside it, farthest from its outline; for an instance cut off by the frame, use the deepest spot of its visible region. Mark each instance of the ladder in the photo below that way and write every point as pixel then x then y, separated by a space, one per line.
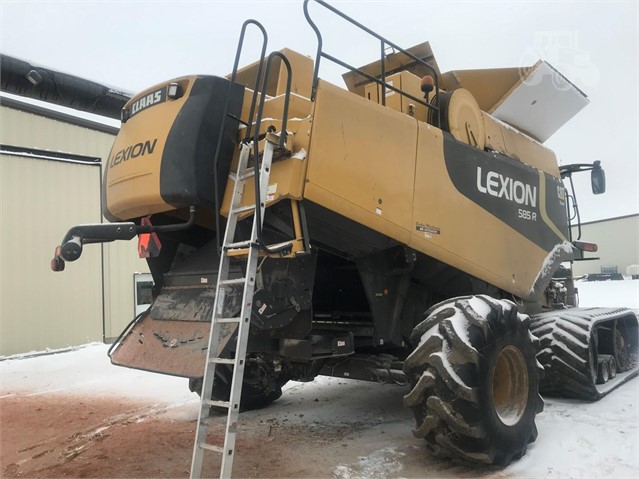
pixel 230 249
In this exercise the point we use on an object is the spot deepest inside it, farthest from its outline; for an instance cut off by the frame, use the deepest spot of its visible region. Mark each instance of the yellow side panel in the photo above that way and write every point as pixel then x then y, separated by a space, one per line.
pixel 362 161
pixel 286 179
pixel 302 68
pixel 453 229
pixel 298 107
pixel 406 82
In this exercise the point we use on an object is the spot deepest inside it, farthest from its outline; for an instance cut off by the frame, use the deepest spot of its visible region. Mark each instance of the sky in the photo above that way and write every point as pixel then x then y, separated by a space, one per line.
pixel 135 44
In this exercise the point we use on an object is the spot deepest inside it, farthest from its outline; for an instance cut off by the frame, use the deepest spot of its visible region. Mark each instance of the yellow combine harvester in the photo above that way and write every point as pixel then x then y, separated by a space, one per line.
pixel 411 229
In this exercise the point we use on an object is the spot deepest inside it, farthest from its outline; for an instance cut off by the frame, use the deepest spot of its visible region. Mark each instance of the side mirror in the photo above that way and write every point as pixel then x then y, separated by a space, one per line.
pixel 598 178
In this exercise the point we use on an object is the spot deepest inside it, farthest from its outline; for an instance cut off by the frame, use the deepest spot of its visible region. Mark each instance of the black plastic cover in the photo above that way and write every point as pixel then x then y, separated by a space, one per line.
pixel 187 171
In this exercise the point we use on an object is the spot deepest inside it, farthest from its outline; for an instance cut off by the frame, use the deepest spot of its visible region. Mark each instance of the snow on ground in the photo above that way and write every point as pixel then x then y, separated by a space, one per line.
pixel 576 439
pixel 609 293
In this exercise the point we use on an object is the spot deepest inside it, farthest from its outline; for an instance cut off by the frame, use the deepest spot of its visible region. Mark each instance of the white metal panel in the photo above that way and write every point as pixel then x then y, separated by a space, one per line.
pixel 541 103
pixel 39 309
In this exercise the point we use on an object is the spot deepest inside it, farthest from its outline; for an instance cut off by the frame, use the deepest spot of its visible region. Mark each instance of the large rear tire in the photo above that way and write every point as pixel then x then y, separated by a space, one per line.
pixel 261 386
pixel 474 378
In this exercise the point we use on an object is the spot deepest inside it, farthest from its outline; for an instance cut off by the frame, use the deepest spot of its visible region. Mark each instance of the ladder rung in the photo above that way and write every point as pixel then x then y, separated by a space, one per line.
pixel 211 447
pixel 210 402
pixel 243 209
pixel 233 281
pixel 239 244
pixel 222 361
pixel 243 176
pixel 227 320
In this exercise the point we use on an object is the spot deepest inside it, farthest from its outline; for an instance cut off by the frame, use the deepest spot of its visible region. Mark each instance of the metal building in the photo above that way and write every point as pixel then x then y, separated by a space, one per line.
pixel 50 175
pixel 618 242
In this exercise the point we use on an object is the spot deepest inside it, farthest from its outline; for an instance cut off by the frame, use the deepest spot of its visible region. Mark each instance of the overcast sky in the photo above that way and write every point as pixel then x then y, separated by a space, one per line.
pixel 133 45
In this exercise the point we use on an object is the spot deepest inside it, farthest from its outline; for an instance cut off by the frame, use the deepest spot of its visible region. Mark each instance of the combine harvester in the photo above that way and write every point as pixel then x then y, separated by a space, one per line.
pixel 406 229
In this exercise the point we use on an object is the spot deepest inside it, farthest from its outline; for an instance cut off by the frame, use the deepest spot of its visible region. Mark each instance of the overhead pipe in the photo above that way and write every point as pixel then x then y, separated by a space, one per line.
pixel 20 77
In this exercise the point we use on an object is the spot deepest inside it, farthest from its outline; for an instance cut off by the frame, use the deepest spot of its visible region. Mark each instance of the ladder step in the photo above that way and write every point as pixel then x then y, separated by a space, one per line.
pixel 233 281
pixel 222 361
pixel 239 244
pixel 243 209
pixel 227 320
pixel 243 176
pixel 210 402
pixel 211 447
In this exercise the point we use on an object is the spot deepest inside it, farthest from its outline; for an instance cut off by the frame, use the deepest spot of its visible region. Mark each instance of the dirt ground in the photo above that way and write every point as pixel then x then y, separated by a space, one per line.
pixel 71 436
pixel 75 415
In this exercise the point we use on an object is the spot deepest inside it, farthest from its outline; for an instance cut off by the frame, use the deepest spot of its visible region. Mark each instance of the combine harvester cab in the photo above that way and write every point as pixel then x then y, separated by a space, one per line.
pixel 343 227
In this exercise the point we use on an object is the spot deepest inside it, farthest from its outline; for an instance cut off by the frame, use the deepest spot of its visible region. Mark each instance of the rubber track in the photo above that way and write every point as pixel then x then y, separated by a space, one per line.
pixel 566 338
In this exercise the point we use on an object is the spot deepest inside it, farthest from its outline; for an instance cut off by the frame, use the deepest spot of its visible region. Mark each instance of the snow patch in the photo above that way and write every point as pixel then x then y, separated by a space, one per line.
pixel 609 293
pixel 84 371
pixel 480 306
pixel 47 351
pixel 461 326
pixel 378 464
pixel 555 257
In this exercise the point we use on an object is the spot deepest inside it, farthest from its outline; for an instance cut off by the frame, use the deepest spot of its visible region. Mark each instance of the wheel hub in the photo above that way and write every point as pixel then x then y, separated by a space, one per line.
pixel 510 385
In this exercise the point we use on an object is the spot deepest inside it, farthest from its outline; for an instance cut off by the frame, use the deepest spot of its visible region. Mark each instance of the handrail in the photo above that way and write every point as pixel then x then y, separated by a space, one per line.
pixel 259 68
pixel 225 115
pixel 383 43
pixel 282 142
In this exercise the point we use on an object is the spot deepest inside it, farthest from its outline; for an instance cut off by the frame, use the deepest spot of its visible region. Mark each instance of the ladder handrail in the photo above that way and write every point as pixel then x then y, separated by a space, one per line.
pixel 383 42
pixel 225 115
pixel 282 142
pixel 259 67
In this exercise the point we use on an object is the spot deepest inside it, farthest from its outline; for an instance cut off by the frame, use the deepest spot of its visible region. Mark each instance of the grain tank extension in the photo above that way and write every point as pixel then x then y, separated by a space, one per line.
pixel 411 229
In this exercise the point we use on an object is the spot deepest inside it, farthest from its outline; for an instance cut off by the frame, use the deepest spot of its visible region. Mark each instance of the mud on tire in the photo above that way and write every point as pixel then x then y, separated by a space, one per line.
pixel 474 378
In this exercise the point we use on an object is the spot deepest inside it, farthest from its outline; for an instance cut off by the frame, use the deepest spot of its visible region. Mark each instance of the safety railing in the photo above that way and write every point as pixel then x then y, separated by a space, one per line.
pixel 225 116
pixel 282 143
pixel 381 80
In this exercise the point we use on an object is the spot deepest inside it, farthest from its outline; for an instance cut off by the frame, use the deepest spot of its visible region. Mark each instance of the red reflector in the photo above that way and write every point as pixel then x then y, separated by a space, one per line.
pixel 149 245
pixel 582 245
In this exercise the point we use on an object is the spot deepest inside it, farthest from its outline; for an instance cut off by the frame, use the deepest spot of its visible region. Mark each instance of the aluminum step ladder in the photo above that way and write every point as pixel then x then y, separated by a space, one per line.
pixel 238 363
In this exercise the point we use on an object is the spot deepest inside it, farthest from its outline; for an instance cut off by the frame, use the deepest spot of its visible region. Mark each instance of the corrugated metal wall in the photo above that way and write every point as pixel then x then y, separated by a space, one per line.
pixel 618 241
pixel 39 200
pixel 38 308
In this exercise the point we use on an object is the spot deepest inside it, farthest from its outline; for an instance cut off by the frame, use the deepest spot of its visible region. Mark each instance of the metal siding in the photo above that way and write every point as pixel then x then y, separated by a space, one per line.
pixel 39 201
pixel 40 309
pixel 618 241
pixel 19 128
